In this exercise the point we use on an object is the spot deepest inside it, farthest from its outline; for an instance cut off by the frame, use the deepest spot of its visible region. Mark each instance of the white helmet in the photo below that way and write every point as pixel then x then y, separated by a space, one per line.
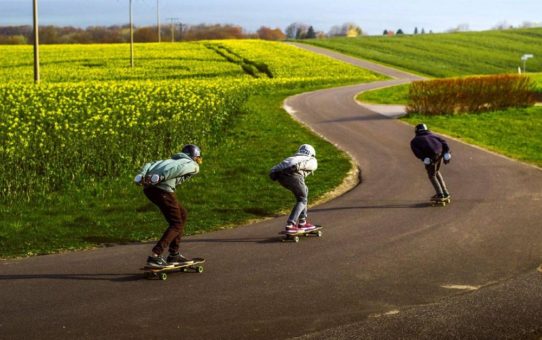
pixel 307 149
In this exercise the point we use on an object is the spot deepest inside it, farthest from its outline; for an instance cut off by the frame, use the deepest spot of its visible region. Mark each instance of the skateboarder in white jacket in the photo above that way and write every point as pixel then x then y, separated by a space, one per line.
pixel 291 173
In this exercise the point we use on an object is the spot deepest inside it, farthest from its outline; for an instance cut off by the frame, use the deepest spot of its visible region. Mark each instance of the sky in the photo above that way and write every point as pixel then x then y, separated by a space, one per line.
pixel 373 16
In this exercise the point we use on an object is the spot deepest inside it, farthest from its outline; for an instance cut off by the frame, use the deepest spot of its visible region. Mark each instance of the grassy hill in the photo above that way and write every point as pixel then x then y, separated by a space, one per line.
pixel 461 54
pixel 447 54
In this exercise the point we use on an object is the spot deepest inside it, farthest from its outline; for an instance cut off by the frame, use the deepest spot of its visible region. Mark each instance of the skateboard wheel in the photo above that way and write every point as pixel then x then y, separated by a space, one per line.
pixel 162 276
pixel 319 233
pixel 199 269
pixel 296 239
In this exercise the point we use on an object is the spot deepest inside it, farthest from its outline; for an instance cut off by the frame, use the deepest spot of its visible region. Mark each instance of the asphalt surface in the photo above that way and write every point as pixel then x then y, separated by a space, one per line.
pixel 388 265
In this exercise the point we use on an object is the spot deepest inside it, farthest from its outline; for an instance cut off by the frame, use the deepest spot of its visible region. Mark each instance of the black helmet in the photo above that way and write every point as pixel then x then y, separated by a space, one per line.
pixel 191 150
pixel 421 128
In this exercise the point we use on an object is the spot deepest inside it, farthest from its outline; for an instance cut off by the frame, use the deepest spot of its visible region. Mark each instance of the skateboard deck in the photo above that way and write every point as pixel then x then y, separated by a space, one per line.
pixel 161 273
pixel 295 237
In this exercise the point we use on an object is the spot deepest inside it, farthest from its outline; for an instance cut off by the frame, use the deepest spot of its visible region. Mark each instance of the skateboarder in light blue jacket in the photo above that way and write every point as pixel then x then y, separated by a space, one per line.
pixel 159 180
pixel 291 173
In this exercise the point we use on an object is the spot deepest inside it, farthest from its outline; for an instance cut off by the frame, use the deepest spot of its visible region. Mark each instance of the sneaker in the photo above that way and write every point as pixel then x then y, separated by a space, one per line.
pixel 176 259
pixel 292 229
pixel 437 197
pixel 158 262
pixel 306 226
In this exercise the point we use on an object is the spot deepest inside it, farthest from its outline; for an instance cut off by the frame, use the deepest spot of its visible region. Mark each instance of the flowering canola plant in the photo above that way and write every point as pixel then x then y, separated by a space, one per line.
pixel 94 117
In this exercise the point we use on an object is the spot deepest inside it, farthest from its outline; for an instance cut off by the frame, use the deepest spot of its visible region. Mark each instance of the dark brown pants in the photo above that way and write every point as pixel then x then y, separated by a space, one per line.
pixel 175 215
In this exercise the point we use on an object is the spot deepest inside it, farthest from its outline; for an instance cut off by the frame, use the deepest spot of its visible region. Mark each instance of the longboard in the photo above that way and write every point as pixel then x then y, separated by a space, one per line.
pixel 295 237
pixel 161 273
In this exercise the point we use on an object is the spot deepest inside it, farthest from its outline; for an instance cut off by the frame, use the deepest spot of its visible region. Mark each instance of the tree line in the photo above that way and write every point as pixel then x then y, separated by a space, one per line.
pixel 175 32
pixel 121 34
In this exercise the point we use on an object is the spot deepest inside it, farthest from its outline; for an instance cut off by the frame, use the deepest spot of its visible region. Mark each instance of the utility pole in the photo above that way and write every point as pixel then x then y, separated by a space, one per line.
pixel 131 38
pixel 158 19
pixel 36 44
pixel 173 21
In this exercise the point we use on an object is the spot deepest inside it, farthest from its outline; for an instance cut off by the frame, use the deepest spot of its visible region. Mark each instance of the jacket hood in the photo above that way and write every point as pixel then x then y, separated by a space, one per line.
pixel 180 155
pixel 423 133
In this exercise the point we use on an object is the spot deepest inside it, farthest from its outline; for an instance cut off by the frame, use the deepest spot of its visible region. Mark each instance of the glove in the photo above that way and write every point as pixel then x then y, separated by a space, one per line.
pixel 427 161
pixel 447 157
pixel 155 179
pixel 138 179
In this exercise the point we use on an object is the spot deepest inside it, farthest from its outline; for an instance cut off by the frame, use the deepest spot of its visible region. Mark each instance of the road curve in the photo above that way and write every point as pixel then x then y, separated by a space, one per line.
pixel 384 252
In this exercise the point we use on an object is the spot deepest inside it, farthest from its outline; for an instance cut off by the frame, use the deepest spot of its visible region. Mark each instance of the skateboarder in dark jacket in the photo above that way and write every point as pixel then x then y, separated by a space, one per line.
pixel 432 150
pixel 159 180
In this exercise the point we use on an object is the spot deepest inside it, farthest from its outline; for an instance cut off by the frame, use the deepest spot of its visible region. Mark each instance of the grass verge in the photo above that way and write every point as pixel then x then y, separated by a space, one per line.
pixel 516 133
pixel 232 188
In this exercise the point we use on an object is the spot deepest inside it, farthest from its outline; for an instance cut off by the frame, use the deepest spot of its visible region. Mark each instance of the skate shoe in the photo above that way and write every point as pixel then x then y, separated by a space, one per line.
pixel 437 197
pixel 306 226
pixel 158 262
pixel 178 259
pixel 292 229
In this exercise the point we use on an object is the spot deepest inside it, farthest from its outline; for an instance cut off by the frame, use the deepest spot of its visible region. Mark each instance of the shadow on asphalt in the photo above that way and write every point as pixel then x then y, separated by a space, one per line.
pixel 357 118
pixel 75 277
pixel 379 206
pixel 234 240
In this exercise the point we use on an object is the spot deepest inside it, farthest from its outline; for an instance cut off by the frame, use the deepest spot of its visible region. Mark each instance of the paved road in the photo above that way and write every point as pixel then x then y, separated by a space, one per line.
pixel 385 257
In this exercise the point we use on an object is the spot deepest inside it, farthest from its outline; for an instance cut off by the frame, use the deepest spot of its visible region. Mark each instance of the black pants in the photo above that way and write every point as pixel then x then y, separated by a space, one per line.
pixel 435 177
pixel 174 213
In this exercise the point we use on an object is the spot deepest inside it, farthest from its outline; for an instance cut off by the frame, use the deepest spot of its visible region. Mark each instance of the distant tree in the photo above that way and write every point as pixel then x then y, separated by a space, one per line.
pixel 528 24
pixel 311 34
pixel 385 32
pixel 352 30
pixel 335 31
pixel 400 32
pixel 416 30
pixel 48 35
pixel 13 39
pixel 267 33
pixel 208 32
pixel 459 28
pixel 296 30
pixel 502 26
pixel 346 30
pixel 146 34
pixel 423 30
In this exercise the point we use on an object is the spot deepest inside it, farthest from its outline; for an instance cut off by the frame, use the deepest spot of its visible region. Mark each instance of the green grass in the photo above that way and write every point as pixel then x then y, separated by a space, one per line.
pixel 389 95
pixel 232 187
pixel 516 133
pixel 93 122
pixel 449 54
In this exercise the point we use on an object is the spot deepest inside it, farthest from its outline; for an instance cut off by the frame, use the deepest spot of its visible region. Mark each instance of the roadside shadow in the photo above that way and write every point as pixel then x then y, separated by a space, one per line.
pixel 379 206
pixel 74 277
pixel 233 240
pixel 375 116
